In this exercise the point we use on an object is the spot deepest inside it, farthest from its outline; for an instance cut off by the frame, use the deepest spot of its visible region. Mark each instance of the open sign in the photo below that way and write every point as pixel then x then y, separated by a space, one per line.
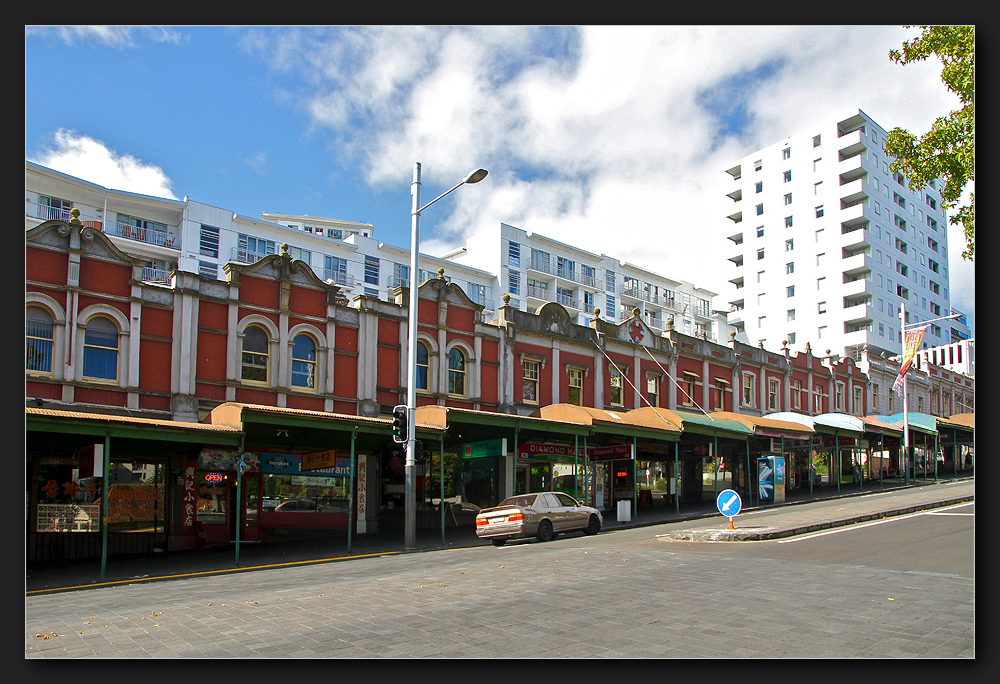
pixel 214 477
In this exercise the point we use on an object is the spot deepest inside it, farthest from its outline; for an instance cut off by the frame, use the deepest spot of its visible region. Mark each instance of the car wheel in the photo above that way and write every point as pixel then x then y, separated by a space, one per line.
pixel 544 531
pixel 593 525
pixel 498 542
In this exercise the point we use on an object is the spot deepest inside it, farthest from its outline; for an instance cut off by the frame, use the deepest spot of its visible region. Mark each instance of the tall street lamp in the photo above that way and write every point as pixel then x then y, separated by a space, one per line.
pixel 906 359
pixel 409 501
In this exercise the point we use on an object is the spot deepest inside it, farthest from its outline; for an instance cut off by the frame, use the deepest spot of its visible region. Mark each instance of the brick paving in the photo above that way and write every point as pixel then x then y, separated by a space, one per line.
pixel 574 599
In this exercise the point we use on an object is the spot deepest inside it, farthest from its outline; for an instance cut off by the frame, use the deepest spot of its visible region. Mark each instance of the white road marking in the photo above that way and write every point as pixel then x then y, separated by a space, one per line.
pixel 875 522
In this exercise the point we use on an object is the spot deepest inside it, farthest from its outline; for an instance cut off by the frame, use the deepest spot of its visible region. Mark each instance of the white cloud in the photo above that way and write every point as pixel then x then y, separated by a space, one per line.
pixel 84 157
pixel 110 36
pixel 605 143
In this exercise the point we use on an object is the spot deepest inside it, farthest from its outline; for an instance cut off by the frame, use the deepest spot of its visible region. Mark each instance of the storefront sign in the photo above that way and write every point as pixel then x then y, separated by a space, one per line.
pixel 291 464
pixel 610 453
pixel 318 460
pixel 189 498
pixel 699 449
pixel 362 495
pixel 536 451
pixel 485 449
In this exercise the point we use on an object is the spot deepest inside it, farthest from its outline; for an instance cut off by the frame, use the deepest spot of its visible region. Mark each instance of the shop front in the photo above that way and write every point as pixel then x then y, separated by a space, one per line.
pixel 101 485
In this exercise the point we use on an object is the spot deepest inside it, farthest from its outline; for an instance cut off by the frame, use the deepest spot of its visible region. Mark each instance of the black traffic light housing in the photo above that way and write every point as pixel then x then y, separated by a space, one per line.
pixel 400 424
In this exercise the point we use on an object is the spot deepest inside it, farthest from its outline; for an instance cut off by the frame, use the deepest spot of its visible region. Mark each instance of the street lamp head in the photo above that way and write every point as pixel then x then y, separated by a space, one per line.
pixel 476 176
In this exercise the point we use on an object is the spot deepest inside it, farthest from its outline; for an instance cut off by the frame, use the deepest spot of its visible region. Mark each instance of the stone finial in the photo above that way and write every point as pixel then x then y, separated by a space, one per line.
pixel 74 216
pixel 506 300
pixel 440 274
pixel 284 248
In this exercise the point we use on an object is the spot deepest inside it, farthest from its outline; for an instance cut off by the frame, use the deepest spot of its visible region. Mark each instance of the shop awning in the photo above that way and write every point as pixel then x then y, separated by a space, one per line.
pixel 612 423
pixel 827 423
pixel 689 422
pixel 274 427
pixel 921 422
pixel 965 421
pixel 879 426
pixel 55 421
pixel 769 427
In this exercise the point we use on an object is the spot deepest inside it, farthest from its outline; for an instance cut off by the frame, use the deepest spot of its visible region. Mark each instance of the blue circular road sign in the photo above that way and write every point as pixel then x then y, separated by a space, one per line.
pixel 728 503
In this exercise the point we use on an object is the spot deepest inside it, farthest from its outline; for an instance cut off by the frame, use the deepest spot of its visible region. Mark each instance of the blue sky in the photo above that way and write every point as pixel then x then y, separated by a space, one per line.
pixel 613 138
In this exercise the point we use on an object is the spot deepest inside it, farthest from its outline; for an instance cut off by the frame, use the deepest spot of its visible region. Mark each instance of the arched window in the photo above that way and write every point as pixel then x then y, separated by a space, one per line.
pixel 304 362
pixel 456 372
pixel 100 349
pixel 39 336
pixel 255 354
pixel 423 366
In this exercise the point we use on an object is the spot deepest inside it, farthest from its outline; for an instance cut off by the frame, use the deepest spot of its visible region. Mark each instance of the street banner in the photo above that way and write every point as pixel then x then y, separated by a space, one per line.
pixel 911 343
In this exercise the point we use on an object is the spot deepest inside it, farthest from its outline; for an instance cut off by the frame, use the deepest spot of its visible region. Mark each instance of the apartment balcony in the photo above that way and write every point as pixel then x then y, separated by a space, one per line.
pixel 856 238
pixel 853 193
pixel 737 259
pixel 736 195
pixel 855 338
pixel 736 172
pixel 539 293
pixel 337 278
pixel 579 278
pixel 737 281
pixel 859 314
pixel 851 168
pixel 151 236
pixel 541 266
pixel 857 265
pixel 737 238
pixel 735 318
pixel 91 217
pixel 736 217
pixel 155 274
pixel 398 281
pixel 851 144
pixel 853 287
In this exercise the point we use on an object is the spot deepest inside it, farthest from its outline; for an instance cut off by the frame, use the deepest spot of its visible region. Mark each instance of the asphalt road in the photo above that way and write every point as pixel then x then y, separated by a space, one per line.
pixel 940 540
pixel 621 594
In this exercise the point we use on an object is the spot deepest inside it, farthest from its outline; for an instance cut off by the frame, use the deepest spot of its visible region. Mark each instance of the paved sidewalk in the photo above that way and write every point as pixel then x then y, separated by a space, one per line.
pixel 754 522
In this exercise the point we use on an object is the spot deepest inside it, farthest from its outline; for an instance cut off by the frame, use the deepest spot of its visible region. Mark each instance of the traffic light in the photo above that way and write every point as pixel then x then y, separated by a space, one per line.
pixel 399 424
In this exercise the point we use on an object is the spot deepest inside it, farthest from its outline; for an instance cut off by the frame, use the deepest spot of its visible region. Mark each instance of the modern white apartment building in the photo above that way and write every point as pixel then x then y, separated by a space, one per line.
pixel 534 269
pixel 199 238
pixel 826 244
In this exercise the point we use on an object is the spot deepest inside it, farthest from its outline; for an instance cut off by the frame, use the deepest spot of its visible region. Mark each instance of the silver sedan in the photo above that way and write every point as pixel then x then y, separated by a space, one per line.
pixel 543 515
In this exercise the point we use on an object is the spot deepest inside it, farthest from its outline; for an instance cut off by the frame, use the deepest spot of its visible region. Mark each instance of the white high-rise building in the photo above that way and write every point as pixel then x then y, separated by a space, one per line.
pixel 191 236
pixel 826 245
pixel 534 269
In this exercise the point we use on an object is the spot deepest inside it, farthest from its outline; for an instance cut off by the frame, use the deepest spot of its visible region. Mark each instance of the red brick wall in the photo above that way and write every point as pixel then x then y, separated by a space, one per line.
pixel 46 266
pixel 42 390
pixel 105 277
pixel 212 355
pixel 256 291
pixel 307 301
pixel 108 397
pixel 154 365
pixel 298 401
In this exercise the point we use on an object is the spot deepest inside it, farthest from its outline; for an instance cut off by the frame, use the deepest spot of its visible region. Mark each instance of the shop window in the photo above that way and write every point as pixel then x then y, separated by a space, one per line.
pixel 39 338
pixel 100 349
pixel 67 497
pixel 255 355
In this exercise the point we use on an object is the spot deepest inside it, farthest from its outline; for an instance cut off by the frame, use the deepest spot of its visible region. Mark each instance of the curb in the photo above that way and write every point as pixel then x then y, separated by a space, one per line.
pixel 765 533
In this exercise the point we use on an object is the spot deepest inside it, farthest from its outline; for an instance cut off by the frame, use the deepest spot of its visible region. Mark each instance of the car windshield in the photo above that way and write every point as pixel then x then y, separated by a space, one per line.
pixel 523 501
